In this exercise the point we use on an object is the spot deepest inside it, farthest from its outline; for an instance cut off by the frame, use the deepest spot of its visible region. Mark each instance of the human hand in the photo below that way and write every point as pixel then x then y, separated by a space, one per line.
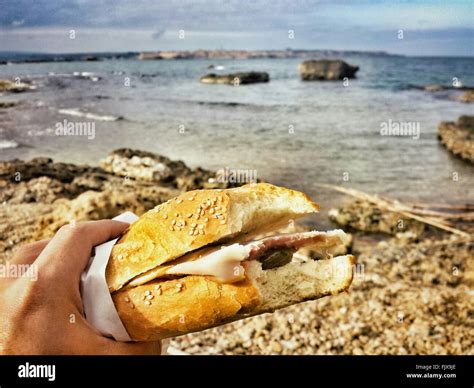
pixel 43 314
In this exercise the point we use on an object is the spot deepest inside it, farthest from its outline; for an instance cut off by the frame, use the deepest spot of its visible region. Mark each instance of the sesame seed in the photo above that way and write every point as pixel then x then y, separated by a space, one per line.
pixel 219 190
pixel 126 299
pixel 206 219
pixel 191 232
pixel 201 232
pixel 120 257
pixel 195 232
pixel 211 211
pixel 149 297
pixel 148 292
pixel 165 216
pixel 178 201
pixel 147 302
pixel 193 225
pixel 173 222
pixel 171 228
pixel 220 198
pixel 158 287
pixel 132 305
pixel 179 286
pixel 176 214
pixel 189 215
pixel 200 226
pixel 191 198
pixel 183 223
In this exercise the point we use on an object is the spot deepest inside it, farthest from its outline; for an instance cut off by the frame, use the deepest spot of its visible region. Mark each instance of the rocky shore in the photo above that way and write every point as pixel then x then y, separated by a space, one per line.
pixel 412 291
pixel 458 137
pixel 40 195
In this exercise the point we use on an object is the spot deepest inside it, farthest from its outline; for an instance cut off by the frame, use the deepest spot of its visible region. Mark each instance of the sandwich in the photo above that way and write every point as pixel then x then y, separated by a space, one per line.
pixel 209 257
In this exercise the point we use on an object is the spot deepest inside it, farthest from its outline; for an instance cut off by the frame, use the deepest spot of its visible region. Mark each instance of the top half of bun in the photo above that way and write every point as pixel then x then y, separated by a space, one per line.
pixel 198 218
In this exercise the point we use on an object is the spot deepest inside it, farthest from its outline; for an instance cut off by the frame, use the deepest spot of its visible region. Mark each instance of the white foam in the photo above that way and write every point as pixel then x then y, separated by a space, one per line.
pixel 4 144
pixel 92 116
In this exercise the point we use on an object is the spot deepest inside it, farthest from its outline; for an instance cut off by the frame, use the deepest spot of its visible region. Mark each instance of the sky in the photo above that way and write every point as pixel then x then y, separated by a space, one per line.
pixel 436 27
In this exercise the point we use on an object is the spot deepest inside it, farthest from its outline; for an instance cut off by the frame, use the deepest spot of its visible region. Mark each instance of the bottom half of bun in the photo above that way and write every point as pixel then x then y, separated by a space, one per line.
pixel 167 308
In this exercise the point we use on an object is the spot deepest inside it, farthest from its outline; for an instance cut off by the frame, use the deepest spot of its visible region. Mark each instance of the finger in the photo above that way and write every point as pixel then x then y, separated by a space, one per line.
pixel 28 253
pixel 136 348
pixel 68 252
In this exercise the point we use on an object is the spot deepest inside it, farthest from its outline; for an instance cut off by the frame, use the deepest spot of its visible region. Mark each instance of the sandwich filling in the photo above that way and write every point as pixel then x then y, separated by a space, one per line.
pixel 227 263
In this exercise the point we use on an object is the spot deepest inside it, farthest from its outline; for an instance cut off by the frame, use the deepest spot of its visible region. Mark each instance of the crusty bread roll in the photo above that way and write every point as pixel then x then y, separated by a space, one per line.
pixel 192 263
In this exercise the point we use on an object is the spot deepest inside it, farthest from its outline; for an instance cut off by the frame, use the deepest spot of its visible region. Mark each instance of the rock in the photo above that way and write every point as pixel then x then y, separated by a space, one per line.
pixel 146 166
pixel 235 78
pixel 467 97
pixel 325 69
pixel 141 166
pixel 459 137
pixel 90 205
pixel 276 347
pixel 434 88
pixel 7 104
pixel 365 216
pixel 13 87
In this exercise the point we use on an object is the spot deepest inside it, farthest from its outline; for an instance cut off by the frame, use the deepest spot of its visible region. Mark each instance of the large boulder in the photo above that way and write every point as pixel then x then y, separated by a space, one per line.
pixel 458 137
pixel 326 69
pixel 236 78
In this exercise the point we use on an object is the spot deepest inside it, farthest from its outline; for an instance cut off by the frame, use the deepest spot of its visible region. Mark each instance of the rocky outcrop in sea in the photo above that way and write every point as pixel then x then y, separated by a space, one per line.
pixel 326 69
pixel 240 78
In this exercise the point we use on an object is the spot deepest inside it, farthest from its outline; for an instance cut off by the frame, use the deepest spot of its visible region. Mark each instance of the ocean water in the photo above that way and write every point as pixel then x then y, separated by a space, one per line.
pixel 290 132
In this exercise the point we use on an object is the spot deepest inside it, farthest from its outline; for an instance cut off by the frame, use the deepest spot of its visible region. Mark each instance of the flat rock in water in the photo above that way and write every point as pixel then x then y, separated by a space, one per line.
pixel 235 78
pixel 326 69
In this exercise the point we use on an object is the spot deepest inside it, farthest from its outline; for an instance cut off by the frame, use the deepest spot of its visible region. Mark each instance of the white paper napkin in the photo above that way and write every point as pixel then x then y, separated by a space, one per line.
pixel 99 307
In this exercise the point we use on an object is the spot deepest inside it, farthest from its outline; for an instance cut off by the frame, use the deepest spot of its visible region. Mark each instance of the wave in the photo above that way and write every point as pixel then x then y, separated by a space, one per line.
pixel 5 144
pixel 92 116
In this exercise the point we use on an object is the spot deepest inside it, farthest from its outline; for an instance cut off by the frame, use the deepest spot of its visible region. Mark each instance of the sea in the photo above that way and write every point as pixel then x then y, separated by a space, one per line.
pixel 287 131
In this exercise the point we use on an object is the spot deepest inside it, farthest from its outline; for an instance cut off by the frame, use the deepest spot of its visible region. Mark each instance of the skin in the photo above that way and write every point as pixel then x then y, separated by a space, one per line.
pixel 45 316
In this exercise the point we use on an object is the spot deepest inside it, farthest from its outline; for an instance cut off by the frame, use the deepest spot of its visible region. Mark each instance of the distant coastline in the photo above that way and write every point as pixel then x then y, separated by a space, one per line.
pixel 25 57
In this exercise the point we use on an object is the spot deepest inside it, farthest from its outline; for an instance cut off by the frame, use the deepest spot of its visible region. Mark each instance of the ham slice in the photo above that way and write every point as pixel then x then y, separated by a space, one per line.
pixel 225 263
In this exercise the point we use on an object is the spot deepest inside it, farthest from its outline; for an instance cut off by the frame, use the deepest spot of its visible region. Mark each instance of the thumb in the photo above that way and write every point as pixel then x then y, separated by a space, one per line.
pixel 136 348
